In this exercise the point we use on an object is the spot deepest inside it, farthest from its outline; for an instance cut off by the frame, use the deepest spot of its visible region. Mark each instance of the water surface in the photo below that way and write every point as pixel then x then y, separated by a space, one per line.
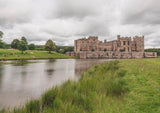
pixel 19 83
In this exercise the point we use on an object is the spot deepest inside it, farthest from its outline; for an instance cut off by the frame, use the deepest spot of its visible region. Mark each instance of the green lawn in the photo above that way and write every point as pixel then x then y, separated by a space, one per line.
pixel 123 86
pixel 29 54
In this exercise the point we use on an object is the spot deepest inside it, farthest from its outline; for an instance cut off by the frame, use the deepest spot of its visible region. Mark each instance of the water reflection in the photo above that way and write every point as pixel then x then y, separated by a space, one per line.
pixel 85 64
pixel 1 74
pixel 50 67
pixel 22 82
pixel 21 62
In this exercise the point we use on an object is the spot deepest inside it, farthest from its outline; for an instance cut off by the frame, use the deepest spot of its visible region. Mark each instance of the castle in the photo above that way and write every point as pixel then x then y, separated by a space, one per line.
pixel 121 44
pixel 123 47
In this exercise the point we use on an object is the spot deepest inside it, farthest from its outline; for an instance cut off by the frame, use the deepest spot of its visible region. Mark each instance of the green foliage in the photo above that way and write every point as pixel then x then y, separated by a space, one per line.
pixel 22 46
pixel 50 46
pixel 1 34
pixel 14 43
pixel 59 47
pixel 24 39
pixel 122 50
pixel 153 50
pixel 33 106
pixel 68 49
pixel 7 46
pixel 92 50
pixel 61 51
pixel 31 47
pixel 49 97
pixel 39 47
pixel 2 44
pixel 105 49
pixel 64 49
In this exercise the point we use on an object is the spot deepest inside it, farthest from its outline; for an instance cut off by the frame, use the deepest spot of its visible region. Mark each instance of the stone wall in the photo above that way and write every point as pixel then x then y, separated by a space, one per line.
pixel 111 55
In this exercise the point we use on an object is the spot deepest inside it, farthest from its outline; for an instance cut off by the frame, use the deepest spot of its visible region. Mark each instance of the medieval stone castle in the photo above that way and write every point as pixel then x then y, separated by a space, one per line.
pixel 121 44
pixel 123 47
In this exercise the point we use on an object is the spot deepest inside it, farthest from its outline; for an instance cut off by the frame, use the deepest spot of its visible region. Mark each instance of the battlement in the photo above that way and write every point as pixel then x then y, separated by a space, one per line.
pixel 123 38
pixel 138 38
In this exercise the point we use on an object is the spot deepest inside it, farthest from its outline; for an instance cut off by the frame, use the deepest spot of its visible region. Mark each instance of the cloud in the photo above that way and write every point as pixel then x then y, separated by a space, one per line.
pixel 14 11
pixel 77 9
pixel 63 21
pixel 142 12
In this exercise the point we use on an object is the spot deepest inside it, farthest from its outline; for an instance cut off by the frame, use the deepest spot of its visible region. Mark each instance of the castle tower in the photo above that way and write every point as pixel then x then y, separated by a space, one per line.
pixel 139 41
pixel 75 45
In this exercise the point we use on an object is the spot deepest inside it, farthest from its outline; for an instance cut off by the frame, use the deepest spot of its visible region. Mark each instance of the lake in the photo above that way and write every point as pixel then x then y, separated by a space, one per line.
pixel 20 82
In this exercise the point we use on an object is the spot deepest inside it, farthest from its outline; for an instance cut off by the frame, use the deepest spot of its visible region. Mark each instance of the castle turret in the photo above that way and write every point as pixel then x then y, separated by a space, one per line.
pixel 118 37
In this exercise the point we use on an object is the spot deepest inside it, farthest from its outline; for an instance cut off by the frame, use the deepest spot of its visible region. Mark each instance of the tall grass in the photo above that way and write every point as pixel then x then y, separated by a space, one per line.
pixel 125 86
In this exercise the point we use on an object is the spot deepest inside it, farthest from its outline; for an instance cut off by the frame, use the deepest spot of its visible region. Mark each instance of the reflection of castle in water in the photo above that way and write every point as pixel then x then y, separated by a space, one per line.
pixel 84 65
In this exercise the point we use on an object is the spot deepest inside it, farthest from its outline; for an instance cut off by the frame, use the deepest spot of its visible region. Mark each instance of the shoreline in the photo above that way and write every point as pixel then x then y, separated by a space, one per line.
pixel 126 83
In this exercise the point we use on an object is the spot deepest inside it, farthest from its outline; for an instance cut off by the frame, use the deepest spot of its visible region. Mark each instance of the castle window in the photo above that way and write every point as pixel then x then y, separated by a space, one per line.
pixel 128 42
pixel 124 43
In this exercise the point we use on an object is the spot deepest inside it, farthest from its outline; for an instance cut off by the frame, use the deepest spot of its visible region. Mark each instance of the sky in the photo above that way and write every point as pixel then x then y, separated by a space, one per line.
pixel 63 21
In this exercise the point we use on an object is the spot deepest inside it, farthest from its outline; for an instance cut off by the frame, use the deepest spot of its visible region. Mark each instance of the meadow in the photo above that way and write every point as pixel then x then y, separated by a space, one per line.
pixel 12 54
pixel 121 86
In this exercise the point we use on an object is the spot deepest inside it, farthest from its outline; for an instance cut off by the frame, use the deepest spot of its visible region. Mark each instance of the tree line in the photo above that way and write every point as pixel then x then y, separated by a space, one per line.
pixel 153 50
pixel 23 45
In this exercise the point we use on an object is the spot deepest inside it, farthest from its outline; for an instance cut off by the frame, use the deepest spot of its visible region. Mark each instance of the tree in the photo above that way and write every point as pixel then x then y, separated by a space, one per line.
pixel 1 34
pixel 24 39
pixel 31 47
pixel 50 46
pixel 61 51
pixel 2 44
pixel 22 46
pixel 68 49
pixel 14 43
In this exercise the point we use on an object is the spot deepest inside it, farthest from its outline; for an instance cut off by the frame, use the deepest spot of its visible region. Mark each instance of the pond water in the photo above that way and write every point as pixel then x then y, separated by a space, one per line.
pixel 20 82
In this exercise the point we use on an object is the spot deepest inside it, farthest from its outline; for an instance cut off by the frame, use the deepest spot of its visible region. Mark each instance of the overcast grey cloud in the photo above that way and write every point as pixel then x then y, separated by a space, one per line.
pixel 63 21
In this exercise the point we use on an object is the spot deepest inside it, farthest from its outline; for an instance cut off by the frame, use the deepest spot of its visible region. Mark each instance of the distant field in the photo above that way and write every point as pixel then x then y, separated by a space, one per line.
pixel 11 54
pixel 123 86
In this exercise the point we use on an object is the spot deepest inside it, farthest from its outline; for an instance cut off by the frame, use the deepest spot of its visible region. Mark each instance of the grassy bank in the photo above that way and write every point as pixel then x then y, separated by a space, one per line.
pixel 12 54
pixel 124 86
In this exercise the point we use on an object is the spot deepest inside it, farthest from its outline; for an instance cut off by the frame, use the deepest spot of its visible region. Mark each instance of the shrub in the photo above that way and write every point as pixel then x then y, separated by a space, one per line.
pixel 122 50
